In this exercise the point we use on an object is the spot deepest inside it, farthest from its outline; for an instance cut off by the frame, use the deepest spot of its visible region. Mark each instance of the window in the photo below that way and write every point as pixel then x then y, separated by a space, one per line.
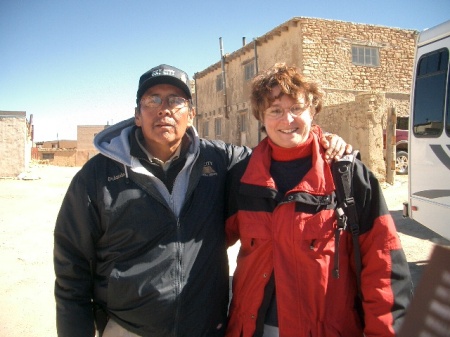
pixel 249 70
pixel 365 56
pixel 48 156
pixel 402 123
pixel 243 122
pixel 218 126
pixel 447 114
pixel 205 129
pixel 219 83
pixel 429 94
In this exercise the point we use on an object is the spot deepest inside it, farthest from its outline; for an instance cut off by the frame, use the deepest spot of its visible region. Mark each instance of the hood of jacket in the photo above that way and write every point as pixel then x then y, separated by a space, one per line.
pixel 114 142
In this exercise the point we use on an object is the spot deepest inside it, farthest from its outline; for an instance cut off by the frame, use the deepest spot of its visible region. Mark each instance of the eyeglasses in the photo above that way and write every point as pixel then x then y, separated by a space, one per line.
pixel 155 101
pixel 295 110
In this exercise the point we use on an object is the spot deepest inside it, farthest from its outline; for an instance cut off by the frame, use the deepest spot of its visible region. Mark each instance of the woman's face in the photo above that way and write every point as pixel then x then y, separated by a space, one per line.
pixel 282 127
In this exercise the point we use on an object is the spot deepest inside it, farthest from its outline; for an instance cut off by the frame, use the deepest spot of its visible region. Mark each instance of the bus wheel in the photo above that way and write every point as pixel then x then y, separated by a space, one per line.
pixel 401 163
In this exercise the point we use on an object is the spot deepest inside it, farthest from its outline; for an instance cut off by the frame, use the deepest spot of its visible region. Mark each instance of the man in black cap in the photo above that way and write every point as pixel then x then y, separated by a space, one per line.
pixel 139 240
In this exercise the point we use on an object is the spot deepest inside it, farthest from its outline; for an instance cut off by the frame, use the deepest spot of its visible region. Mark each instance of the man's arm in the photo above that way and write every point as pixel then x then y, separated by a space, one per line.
pixel 335 147
pixel 74 260
pixel 385 278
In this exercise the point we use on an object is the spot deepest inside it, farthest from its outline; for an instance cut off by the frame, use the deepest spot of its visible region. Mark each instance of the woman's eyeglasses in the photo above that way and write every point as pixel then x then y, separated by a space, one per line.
pixel 295 110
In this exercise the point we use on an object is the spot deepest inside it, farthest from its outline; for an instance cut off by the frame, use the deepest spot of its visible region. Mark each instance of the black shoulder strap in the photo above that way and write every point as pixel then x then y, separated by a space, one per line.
pixel 346 209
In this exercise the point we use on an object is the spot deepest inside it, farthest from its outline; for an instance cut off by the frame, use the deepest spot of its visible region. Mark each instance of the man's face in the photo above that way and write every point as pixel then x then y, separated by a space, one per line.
pixel 163 126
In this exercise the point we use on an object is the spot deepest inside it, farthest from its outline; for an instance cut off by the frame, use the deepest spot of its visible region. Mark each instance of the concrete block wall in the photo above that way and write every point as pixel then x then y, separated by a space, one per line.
pixel 15 144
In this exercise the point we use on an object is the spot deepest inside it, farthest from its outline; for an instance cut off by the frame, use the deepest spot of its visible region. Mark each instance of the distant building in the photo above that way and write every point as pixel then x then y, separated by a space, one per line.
pixel 56 152
pixel 69 152
pixel 58 144
pixel 15 142
pixel 85 139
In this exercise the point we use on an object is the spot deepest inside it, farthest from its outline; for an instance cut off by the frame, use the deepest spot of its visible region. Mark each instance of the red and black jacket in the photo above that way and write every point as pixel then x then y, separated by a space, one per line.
pixel 291 237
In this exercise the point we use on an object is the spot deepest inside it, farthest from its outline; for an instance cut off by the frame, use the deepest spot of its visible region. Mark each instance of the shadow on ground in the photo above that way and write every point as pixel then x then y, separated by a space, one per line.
pixel 412 228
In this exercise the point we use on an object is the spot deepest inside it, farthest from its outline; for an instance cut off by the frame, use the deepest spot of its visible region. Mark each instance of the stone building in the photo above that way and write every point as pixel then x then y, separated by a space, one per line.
pixel 15 143
pixel 364 69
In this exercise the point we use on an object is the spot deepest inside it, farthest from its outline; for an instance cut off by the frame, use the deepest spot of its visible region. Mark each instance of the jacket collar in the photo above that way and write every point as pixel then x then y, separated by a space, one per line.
pixel 318 180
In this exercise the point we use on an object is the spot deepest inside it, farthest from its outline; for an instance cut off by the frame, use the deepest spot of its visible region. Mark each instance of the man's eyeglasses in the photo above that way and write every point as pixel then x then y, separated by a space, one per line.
pixel 155 101
pixel 295 110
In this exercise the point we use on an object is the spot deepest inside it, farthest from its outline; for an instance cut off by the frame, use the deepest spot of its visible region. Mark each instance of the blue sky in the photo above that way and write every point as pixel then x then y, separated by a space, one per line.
pixel 78 62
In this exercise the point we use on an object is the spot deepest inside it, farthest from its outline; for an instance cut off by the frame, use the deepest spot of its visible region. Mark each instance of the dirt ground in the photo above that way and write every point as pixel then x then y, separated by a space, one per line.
pixel 28 210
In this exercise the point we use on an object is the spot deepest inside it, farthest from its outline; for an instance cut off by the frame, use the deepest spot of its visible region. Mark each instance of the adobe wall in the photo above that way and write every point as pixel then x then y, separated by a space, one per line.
pixel 65 158
pixel 61 157
pixel 83 156
pixel 359 123
pixel 86 134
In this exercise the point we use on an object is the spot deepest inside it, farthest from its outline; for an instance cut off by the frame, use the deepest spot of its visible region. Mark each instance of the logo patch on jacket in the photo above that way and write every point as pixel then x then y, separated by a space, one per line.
pixel 116 177
pixel 208 170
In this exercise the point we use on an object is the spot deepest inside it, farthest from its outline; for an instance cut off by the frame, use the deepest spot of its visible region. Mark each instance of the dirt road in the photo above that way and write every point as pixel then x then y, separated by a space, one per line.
pixel 27 217
pixel 27 214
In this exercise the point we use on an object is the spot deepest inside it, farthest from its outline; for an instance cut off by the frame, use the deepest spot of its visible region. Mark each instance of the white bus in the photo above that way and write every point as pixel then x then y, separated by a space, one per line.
pixel 429 132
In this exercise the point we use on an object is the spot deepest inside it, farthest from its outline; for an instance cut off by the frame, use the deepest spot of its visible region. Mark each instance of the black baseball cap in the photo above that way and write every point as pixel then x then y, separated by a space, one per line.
pixel 164 74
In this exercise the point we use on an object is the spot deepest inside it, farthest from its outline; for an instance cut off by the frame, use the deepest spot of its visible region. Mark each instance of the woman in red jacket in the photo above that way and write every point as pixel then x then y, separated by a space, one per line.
pixel 281 208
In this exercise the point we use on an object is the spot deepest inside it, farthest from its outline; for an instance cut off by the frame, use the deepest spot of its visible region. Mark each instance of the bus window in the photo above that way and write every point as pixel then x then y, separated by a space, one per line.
pixel 429 96
pixel 447 118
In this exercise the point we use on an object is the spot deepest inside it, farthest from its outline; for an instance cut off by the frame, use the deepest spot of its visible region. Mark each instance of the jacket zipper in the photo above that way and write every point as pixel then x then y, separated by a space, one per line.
pixel 178 276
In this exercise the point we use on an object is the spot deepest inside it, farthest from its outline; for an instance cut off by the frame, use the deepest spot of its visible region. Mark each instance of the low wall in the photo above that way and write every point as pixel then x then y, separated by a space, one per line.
pixel 360 123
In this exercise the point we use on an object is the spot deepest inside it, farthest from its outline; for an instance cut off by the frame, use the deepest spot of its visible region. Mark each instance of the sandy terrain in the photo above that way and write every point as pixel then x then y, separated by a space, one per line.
pixel 27 214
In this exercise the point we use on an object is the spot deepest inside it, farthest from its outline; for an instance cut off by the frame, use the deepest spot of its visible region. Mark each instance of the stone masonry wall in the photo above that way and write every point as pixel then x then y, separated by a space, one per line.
pixel 327 56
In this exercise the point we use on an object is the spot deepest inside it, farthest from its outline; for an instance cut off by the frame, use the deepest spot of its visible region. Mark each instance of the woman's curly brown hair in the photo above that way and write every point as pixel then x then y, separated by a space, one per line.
pixel 292 83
